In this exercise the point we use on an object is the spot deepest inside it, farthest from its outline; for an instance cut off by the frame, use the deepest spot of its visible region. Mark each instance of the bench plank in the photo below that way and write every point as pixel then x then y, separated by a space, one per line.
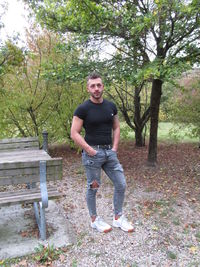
pixel 23 156
pixel 34 170
pixel 19 143
pixel 23 167
pixel 27 196
pixel 18 140
pixel 21 191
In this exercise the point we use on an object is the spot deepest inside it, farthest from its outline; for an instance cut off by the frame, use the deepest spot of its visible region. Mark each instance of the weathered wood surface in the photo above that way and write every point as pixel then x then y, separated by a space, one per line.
pixel 27 143
pixel 22 166
pixel 23 156
pixel 26 196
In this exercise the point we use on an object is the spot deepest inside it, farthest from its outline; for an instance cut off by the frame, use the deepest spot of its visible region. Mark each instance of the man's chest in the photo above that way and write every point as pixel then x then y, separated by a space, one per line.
pixel 96 116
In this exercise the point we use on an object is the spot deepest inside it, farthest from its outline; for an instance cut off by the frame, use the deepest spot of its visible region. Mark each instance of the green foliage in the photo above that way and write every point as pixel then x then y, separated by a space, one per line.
pixel 171 255
pixel 153 39
pixel 125 131
pixel 185 108
pixel 42 93
pixel 167 131
pixel 9 262
pixel 174 27
pixel 10 56
pixel 46 254
pixel 74 263
pixel 197 235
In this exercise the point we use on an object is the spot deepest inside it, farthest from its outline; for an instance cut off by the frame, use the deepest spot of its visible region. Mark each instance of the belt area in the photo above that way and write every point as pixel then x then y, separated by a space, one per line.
pixel 107 147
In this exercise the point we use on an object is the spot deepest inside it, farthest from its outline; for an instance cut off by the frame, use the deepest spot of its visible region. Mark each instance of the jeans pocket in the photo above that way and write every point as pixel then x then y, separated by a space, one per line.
pixel 88 160
pixel 112 152
pixel 92 156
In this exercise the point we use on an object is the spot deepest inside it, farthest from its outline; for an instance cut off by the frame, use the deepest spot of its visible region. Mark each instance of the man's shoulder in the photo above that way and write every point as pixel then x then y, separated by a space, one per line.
pixel 81 110
pixel 109 102
pixel 84 104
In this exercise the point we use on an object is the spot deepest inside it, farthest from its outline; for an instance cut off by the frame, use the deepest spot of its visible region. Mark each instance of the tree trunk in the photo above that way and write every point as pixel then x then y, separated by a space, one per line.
pixel 139 139
pixel 154 110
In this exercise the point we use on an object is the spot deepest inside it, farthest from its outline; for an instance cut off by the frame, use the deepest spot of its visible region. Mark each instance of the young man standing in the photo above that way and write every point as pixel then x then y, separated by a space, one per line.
pixel 99 118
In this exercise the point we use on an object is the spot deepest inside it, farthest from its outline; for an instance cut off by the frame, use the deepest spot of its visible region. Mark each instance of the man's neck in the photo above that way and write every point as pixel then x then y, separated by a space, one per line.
pixel 96 101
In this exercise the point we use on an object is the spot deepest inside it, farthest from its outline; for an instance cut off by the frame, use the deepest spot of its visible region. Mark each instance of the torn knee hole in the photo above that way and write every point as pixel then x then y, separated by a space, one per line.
pixel 94 185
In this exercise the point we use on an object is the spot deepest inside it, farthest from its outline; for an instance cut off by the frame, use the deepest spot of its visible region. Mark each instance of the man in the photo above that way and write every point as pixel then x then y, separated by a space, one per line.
pixel 99 118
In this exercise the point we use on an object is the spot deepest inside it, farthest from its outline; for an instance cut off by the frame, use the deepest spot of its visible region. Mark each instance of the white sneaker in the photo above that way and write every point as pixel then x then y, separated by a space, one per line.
pixel 100 225
pixel 123 223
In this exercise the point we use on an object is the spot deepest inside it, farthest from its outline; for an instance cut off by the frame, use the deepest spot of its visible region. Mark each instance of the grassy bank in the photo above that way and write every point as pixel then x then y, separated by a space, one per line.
pixel 167 131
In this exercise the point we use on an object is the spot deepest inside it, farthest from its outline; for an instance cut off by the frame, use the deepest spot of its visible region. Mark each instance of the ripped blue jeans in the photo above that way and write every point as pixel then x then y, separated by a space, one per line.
pixel 108 161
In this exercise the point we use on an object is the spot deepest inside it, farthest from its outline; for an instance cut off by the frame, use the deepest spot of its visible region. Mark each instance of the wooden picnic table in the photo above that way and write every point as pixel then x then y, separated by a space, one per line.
pixel 22 162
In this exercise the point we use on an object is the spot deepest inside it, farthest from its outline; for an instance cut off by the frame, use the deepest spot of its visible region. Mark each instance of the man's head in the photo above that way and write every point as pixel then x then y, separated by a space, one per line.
pixel 95 87
pixel 93 75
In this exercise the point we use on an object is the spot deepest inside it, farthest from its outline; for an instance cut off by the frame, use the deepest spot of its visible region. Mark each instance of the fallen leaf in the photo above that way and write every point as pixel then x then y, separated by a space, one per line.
pixel 65 249
pixel 24 234
pixel 62 258
pixel 23 263
pixel 155 228
pixel 193 249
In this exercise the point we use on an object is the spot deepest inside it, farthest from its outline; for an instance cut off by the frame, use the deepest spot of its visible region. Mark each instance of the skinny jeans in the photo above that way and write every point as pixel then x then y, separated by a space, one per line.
pixel 107 160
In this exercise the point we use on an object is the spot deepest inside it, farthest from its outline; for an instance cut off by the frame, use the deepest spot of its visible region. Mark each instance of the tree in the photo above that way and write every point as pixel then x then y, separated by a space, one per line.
pixel 10 56
pixel 184 107
pixel 133 102
pixel 40 94
pixel 162 35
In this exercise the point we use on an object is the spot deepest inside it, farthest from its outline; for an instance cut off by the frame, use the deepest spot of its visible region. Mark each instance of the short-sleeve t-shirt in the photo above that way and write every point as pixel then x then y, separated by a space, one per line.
pixel 97 121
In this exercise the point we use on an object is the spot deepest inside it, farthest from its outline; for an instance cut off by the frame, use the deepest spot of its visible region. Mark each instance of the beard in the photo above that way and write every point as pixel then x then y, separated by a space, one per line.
pixel 96 95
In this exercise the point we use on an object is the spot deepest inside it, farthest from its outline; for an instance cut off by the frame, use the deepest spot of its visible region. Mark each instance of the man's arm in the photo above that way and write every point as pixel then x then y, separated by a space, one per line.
pixel 77 125
pixel 116 133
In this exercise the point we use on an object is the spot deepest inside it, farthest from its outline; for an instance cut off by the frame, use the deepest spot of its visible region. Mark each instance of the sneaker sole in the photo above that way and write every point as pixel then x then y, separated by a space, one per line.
pixel 125 230
pixel 105 231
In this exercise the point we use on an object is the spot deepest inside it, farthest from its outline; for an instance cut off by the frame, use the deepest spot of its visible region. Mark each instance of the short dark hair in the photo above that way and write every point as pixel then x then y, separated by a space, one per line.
pixel 93 75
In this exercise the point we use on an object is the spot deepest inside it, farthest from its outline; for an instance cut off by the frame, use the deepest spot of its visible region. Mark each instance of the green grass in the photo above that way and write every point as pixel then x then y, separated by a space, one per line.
pixel 165 130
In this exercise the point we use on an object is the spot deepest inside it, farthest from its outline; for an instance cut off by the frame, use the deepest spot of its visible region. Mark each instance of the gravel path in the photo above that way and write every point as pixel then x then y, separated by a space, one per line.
pixel 163 203
pixel 167 230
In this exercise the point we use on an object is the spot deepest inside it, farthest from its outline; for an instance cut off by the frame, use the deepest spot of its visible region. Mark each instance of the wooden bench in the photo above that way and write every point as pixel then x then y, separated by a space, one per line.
pixel 22 162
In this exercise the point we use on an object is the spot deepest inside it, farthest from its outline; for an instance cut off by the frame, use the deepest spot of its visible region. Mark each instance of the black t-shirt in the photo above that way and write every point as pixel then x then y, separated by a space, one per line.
pixel 97 121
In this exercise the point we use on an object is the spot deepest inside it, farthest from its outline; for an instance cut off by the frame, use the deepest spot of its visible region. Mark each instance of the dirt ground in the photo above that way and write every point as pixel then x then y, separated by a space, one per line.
pixel 163 202
pixel 177 173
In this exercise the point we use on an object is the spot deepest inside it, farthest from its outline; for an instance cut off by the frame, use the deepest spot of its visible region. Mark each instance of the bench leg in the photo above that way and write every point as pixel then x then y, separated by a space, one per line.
pixel 39 207
pixel 40 219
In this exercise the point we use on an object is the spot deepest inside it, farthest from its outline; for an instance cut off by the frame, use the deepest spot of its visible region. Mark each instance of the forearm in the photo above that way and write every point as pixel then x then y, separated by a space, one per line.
pixel 116 138
pixel 80 141
pixel 77 124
